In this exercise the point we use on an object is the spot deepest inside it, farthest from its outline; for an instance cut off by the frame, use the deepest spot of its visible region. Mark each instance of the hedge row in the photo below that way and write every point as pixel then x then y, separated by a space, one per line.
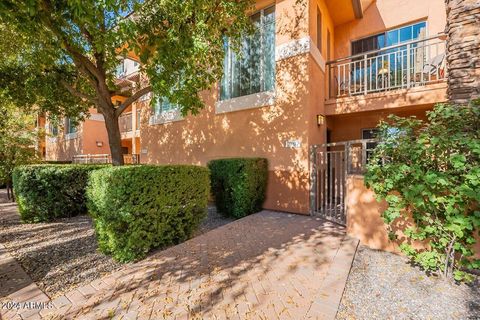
pixel 46 192
pixel 239 185
pixel 139 208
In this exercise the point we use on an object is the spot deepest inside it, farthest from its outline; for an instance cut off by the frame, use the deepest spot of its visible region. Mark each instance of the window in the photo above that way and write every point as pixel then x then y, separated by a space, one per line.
pixel 370 134
pixel 253 69
pixel 70 126
pixel 120 72
pixel 319 30
pixel 390 38
pixel 53 129
pixel 368 44
pixel 162 105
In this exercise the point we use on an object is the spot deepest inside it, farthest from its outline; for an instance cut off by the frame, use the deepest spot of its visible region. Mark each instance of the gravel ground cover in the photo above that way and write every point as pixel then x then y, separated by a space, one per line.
pixel 383 285
pixel 62 255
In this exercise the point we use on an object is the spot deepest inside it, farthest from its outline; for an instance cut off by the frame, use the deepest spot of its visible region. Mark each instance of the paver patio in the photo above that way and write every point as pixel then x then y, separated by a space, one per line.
pixel 269 265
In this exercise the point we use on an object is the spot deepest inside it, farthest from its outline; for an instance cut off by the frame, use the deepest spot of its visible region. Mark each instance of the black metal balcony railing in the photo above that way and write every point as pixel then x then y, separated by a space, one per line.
pixel 406 65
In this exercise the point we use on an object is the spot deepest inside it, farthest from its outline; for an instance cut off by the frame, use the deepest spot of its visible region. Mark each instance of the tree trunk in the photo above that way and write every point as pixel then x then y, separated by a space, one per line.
pixel 463 50
pixel 114 138
pixel 10 195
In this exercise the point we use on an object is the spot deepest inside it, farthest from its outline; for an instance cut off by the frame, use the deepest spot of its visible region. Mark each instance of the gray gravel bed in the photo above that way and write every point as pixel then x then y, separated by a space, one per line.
pixel 213 220
pixel 62 255
pixel 383 285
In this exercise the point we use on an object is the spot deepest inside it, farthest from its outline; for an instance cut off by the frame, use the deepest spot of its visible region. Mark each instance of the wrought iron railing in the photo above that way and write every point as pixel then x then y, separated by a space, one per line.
pixel 406 65
pixel 331 164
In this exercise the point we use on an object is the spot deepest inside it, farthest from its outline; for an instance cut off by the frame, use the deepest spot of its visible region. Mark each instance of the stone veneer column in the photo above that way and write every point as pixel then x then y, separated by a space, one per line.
pixel 463 50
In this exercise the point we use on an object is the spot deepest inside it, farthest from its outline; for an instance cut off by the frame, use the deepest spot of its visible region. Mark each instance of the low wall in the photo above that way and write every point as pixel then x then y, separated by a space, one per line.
pixel 364 218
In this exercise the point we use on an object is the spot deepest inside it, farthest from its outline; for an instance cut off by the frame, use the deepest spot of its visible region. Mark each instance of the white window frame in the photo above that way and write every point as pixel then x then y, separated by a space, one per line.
pixel 163 116
pixel 262 72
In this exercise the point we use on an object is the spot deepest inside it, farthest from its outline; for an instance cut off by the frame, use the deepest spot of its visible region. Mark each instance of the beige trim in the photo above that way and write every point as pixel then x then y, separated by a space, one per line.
pixel 96 117
pixel 317 56
pixel 256 100
pixel 166 117
pixel 299 47
pixel 71 136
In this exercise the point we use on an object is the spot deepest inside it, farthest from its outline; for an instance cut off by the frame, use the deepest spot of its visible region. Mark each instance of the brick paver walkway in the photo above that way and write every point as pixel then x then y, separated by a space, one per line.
pixel 267 266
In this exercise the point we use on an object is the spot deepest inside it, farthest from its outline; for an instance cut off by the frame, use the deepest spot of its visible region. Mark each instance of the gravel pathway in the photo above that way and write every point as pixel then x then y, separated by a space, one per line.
pixel 383 285
pixel 62 255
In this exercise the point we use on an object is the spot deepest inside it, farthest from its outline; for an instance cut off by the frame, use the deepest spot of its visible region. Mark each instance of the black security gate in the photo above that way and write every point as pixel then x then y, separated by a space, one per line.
pixel 331 163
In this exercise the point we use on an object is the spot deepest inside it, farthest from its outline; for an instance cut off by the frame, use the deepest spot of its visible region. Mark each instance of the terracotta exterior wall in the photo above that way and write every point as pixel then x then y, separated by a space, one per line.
pixel 83 142
pixel 265 131
pixel 94 131
pixel 363 216
pixel 382 15
pixel 284 130
pixel 350 126
pixel 257 132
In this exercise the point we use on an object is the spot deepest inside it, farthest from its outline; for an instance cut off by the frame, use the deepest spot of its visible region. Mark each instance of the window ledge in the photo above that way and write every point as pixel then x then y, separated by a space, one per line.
pixel 256 100
pixel 166 117
pixel 71 136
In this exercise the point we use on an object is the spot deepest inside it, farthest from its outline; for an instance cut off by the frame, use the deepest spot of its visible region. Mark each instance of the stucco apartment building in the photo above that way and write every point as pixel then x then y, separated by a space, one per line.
pixel 307 93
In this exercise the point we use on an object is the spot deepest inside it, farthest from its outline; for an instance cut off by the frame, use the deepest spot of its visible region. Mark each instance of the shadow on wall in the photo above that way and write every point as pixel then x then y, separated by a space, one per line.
pixel 364 220
pixel 258 132
pixel 59 148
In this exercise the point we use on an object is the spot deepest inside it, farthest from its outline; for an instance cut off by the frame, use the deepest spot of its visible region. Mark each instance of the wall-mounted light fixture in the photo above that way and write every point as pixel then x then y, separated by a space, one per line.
pixel 320 119
pixel 99 144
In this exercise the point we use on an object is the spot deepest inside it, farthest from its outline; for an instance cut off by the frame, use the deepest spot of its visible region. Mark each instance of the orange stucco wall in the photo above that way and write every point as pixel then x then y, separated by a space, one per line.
pixel 382 15
pixel 349 127
pixel 88 134
pixel 300 96
pixel 258 132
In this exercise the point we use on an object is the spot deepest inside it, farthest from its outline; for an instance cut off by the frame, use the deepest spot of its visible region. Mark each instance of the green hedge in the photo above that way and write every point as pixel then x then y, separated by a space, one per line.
pixel 239 185
pixel 138 208
pixel 46 192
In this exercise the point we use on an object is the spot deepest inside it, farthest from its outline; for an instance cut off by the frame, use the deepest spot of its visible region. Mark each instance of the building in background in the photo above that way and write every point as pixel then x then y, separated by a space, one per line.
pixel 307 93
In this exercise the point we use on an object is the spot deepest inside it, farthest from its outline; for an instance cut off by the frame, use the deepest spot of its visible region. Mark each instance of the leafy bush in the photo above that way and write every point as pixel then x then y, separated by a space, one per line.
pixel 138 208
pixel 46 192
pixel 239 185
pixel 430 171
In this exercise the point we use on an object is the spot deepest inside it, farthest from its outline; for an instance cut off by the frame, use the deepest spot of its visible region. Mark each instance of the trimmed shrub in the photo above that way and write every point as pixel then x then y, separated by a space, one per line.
pixel 239 185
pixel 47 192
pixel 138 208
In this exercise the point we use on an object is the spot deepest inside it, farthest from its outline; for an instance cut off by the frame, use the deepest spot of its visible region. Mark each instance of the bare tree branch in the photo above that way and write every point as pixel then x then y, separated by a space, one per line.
pixel 132 99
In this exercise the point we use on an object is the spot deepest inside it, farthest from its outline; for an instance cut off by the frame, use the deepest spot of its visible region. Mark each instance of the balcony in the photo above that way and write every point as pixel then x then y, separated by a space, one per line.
pixel 407 67
pixel 128 73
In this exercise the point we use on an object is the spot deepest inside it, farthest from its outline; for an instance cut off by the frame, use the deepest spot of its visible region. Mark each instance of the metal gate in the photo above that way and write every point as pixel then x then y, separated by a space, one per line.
pixel 331 163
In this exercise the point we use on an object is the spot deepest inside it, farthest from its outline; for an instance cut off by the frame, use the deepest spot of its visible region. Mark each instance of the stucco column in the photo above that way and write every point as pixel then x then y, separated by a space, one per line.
pixel 134 127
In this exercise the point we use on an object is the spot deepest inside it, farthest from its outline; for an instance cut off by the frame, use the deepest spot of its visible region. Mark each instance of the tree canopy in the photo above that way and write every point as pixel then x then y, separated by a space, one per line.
pixel 61 56
pixel 18 140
